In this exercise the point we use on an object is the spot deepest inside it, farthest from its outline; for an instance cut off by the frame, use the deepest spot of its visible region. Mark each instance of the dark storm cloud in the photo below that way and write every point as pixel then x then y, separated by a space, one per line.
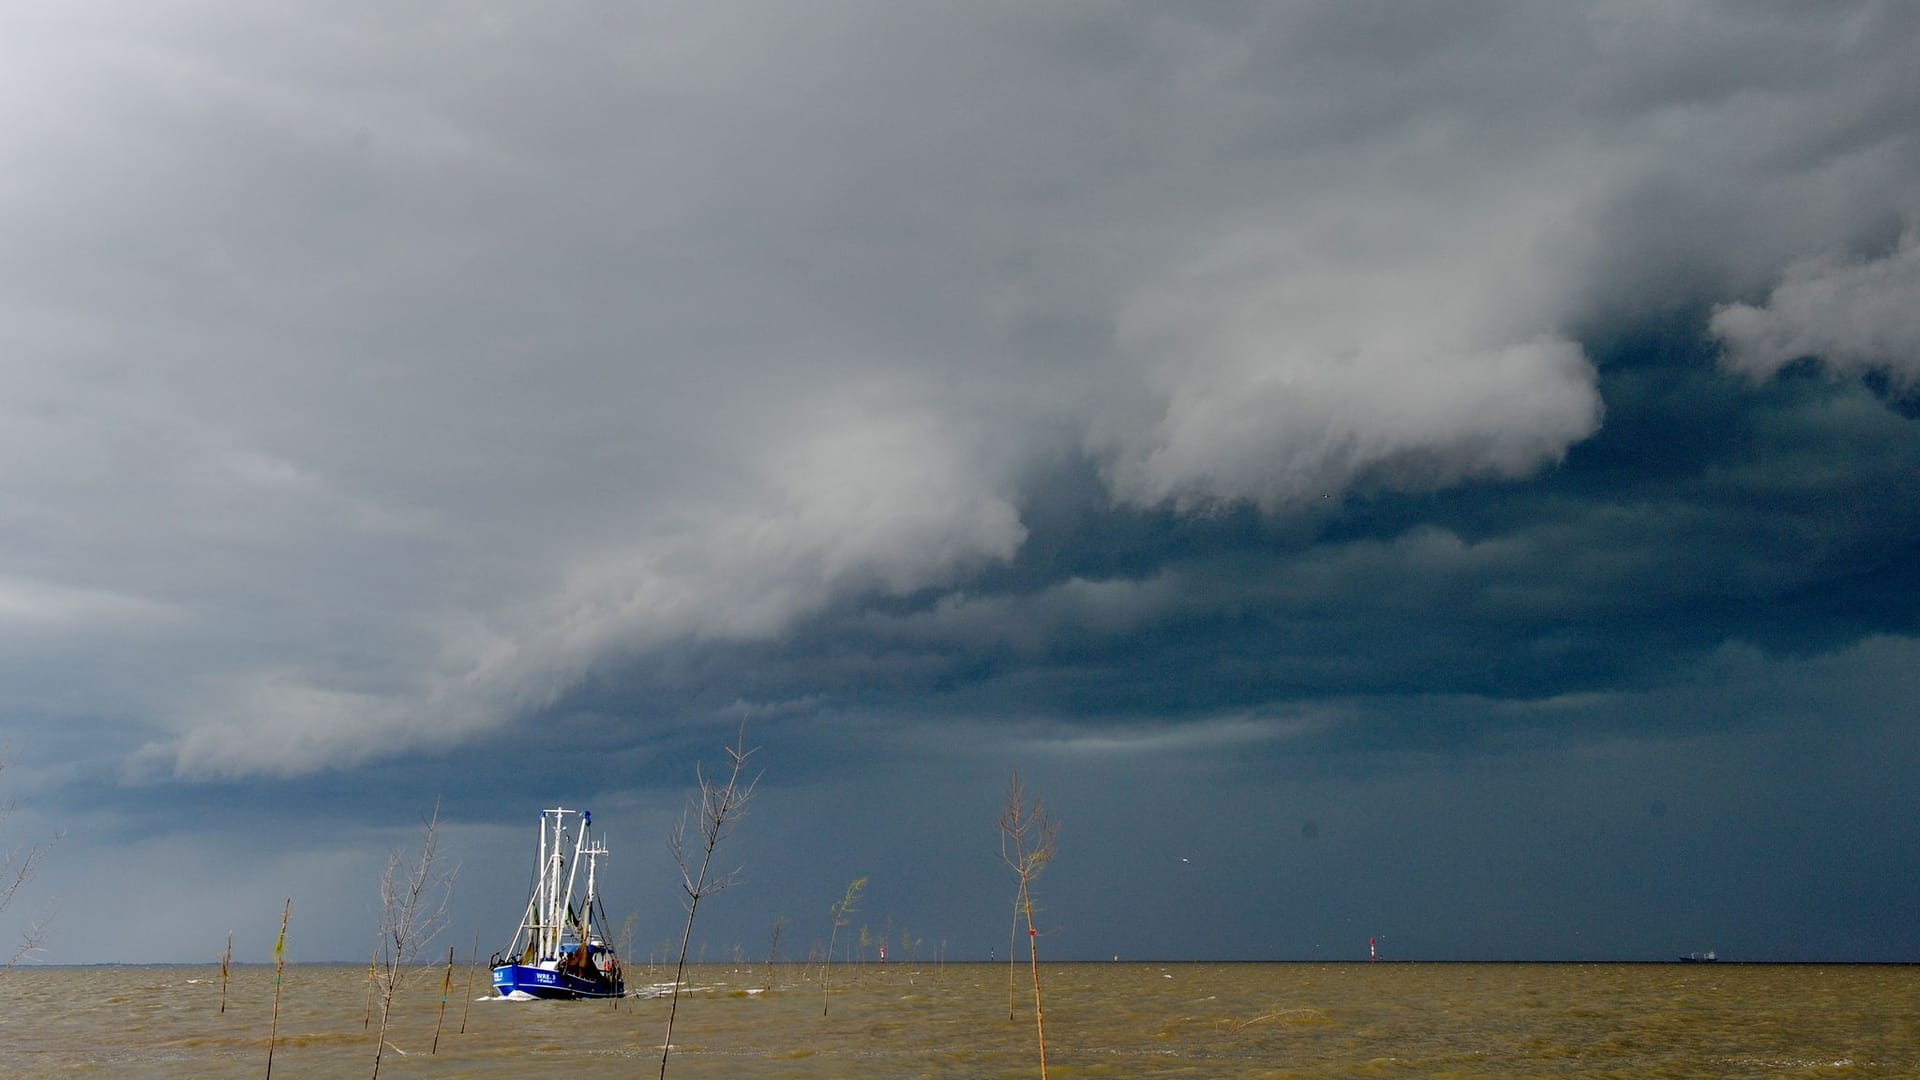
pixel 1333 395
pixel 1708 510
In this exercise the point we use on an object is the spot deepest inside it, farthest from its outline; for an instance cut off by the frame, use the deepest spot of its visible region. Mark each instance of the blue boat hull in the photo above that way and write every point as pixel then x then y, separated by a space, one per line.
pixel 521 981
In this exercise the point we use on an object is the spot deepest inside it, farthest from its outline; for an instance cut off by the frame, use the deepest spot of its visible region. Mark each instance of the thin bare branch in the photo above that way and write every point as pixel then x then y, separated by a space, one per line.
pixel 413 910
pixel 1028 839
pixel 714 809
pixel 17 867
pixel 842 911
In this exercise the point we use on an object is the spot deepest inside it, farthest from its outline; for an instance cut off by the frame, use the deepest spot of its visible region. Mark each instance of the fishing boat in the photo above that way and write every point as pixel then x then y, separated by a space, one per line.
pixel 560 950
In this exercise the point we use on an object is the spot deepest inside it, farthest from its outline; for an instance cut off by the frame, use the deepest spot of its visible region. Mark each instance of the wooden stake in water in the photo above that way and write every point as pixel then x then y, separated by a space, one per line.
pixel 279 969
pixel 471 965
pixel 226 961
pixel 446 987
pixel 373 976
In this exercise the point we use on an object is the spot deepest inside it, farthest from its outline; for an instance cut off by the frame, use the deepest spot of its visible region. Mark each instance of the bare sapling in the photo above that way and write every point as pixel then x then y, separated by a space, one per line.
pixel 413 911
pixel 773 946
pixel 17 867
pixel 1027 843
pixel 714 809
pixel 626 949
pixel 842 911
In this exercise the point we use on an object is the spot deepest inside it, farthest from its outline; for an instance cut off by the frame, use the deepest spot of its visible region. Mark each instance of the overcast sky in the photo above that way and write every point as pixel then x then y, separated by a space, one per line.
pixel 1447 473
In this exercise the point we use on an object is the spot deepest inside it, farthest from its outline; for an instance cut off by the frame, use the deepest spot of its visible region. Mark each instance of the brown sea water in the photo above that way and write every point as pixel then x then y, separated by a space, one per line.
pixel 1468 1021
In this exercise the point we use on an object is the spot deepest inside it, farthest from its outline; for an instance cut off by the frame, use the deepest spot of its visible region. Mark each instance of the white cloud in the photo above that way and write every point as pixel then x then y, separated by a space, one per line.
pixel 1302 423
pixel 1854 316
pixel 41 607
pixel 281 723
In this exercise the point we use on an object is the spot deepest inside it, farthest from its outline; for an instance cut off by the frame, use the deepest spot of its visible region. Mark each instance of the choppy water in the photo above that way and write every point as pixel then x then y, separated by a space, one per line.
pixel 1465 1021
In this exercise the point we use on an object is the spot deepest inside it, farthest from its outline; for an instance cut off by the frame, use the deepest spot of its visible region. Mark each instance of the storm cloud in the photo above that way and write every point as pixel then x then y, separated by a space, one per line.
pixel 1322 406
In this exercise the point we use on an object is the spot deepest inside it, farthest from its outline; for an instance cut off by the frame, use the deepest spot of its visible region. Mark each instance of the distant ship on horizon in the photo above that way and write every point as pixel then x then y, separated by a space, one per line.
pixel 1699 958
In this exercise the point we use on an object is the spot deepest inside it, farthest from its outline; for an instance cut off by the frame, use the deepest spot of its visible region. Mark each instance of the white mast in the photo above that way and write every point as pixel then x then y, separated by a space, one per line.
pixel 573 874
pixel 547 923
pixel 556 902
pixel 586 917
pixel 537 930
